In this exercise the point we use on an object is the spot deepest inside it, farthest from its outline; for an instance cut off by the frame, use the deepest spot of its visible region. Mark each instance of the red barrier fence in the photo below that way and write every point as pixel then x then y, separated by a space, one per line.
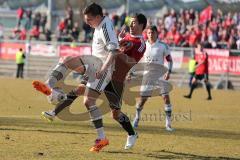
pixel 8 50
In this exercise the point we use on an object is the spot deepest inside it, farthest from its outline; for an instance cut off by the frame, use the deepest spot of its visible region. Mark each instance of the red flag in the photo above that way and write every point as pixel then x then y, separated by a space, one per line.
pixel 205 15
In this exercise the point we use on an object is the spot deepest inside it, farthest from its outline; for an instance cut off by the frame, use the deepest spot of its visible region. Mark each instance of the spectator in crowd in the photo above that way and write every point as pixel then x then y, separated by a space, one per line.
pixel 87 32
pixel 192 16
pixel 20 56
pixel 170 20
pixel 163 34
pixel 35 33
pixel 238 39
pixel 43 22
pixel 69 13
pixel 1 31
pixel 69 25
pixel 62 25
pixel 16 33
pixel 20 13
pixel 65 36
pixel 115 19
pixel 122 19
pixel 48 34
pixel 231 43
pixel 170 36
pixel 23 34
pixel 75 31
pixel 192 41
pixel 28 23
pixel 37 20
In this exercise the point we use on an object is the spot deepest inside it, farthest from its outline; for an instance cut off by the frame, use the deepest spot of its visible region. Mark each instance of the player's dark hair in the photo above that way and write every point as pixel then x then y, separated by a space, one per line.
pixel 141 19
pixel 93 9
pixel 153 28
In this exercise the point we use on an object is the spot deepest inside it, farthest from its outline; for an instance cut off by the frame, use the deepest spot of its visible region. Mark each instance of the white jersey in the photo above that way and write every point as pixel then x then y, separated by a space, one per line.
pixel 104 39
pixel 155 69
pixel 156 52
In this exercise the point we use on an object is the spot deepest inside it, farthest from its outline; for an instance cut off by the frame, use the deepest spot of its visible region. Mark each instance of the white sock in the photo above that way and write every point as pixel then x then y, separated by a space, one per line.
pixel 100 132
pixel 168 121
pixel 52 113
pixel 138 112
pixel 168 111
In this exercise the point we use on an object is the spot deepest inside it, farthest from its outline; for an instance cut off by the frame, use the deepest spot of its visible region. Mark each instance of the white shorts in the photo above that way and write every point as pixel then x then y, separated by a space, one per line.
pixel 92 65
pixel 100 84
pixel 154 81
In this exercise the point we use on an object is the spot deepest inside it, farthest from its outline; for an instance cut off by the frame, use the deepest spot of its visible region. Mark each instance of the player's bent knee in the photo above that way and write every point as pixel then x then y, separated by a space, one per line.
pixel 67 59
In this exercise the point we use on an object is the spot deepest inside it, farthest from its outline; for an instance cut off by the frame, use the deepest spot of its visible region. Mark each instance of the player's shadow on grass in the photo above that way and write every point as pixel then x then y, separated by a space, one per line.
pixel 163 154
pixel 120 152
pixel 192 132
pixel 40 125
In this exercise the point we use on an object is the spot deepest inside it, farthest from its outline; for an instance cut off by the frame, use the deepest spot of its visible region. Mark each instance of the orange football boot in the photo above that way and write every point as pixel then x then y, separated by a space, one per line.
pixel 99 144
pixel 41 87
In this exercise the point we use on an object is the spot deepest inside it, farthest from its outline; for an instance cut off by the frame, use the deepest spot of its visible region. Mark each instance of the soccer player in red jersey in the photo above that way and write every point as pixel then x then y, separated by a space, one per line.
pixel 201 73
pixel 132 47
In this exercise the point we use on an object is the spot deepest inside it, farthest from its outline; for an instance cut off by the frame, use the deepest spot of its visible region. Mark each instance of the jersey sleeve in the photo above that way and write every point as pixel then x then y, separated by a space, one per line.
pixel 109 37
pixel 167 50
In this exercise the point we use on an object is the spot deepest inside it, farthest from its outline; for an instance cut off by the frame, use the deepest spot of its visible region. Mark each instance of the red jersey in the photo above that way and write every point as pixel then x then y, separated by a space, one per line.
pixel 23 34
pixel 122 63
pixel 61 26
pixel 203 67
pixel 192 39
pixel 177 38
pixel 35 32
pixel 20 13
pixel 138 47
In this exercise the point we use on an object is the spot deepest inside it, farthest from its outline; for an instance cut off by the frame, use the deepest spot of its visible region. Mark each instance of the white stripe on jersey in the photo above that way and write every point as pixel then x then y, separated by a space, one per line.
pixel 103 35
pixel 141 48
pixel 104 28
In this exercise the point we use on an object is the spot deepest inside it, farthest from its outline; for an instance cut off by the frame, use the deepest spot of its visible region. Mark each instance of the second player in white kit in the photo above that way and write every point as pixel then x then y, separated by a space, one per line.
pixel 155 75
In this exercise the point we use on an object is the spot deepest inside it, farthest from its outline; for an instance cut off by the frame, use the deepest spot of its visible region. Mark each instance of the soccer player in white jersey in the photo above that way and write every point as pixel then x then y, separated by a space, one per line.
pixel 128 56
pixel 104 46
pixel 86 65
pixel 155 53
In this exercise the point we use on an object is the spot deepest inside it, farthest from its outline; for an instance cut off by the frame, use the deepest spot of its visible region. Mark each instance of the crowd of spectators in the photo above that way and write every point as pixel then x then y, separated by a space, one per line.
pixel 180 29
pixel 67 29
pixel 183 29
pixel 35 24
